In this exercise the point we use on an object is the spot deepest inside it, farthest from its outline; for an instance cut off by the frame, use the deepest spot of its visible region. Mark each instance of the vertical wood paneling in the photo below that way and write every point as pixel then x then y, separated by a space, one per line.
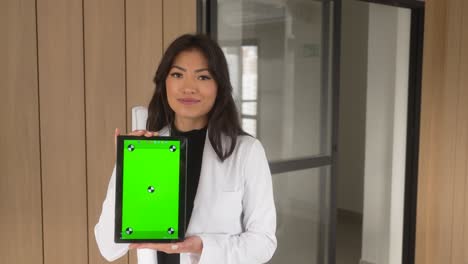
pixel 94 61
pixel 443 207
pixel 461 139
pixel 462 252
pixel 434 47
pixel 443 152
pixel 104 37
pixel 20 182
pixel 60 39
pixel 144 50
pixel 143 53
pixel 180 16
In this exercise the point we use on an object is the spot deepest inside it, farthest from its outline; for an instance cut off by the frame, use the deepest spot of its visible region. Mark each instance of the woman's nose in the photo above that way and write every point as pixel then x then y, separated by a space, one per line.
pixel 189 87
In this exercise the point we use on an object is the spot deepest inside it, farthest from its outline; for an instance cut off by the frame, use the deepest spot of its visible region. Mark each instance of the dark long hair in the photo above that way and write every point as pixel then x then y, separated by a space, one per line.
pixel 223 119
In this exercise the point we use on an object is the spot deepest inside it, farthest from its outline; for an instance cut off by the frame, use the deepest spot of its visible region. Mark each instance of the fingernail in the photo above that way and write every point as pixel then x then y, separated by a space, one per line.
pixel 174 247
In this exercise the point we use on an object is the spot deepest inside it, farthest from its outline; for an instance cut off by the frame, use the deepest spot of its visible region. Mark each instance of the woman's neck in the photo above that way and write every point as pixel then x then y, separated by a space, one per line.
pixel 187 124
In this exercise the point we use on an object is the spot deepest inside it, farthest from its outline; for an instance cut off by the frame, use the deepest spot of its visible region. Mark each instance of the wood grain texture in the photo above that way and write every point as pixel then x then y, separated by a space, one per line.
pixel 61 93
pixel 143 53
pixel 441 198
pixel 461 139
pixel 434 48
pixel 462 254
pixel 180 16
pixel 144 50
pixel 96 59
pixel 443 206
pixel 433 61
pixel 104 41
pixel 20 180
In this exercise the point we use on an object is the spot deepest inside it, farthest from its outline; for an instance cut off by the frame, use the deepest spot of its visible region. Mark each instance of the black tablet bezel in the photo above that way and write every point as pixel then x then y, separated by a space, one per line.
pixel 119 189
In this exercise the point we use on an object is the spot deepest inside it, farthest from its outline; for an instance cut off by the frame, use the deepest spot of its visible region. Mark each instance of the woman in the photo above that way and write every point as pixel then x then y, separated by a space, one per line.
pixel 230 207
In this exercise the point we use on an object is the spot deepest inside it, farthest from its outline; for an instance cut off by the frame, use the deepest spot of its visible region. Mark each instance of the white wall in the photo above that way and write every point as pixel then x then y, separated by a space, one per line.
pixel 388 60
pixel 352 122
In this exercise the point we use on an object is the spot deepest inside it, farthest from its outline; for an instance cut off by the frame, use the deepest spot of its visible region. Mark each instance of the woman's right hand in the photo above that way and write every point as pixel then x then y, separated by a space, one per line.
pixel 134 133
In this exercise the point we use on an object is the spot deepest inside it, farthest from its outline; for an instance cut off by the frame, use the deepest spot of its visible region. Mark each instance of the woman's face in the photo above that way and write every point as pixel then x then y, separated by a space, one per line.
pixel 191 90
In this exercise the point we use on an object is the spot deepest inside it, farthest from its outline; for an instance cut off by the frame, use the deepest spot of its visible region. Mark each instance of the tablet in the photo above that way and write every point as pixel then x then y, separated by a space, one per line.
pixel 150 189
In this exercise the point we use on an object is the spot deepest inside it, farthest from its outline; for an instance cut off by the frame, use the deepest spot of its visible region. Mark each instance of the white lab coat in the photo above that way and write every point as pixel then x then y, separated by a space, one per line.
pixel 234 212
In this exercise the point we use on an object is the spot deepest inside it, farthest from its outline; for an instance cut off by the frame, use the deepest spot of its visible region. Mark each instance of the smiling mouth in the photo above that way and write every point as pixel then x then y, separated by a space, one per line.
pixel 188 101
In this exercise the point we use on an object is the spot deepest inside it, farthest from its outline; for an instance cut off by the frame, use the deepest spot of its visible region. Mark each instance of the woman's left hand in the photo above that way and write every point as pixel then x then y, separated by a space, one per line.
pixel 191 244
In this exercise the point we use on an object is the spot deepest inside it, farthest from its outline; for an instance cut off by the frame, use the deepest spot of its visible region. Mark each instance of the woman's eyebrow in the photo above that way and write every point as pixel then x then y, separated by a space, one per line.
pixel 178 67
pixel 202 69
pixel 184 70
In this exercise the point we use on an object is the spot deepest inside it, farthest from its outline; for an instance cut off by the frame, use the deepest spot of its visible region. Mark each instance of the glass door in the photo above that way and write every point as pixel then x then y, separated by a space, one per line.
pixel 279 60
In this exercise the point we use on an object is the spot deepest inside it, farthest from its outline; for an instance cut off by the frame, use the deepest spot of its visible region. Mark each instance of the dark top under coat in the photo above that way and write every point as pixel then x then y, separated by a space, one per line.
pixel 195 146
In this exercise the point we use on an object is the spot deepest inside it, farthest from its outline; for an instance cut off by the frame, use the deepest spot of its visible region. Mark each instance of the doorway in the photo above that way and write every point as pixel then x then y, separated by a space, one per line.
pixel 381 60
pixel 285 66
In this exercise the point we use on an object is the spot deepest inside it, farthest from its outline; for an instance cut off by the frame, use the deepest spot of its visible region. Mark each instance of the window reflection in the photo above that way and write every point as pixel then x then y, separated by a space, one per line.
pixel 243 70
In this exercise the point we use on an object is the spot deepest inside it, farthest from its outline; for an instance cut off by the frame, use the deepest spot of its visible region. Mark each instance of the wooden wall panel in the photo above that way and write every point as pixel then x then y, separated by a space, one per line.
pixel 433 62
pixel 180 16
pixel 444 137
pixel 61 93
pixel 20 182
pixel 460 137
pixel 144 50
pixel 143 53
pixel 441 195
pixel 104 37
pixel 444 249
pixel 462 244
pixel 66 91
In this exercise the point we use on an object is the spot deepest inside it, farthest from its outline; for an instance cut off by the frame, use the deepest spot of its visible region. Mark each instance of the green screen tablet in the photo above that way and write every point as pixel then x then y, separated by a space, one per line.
pixel 150 189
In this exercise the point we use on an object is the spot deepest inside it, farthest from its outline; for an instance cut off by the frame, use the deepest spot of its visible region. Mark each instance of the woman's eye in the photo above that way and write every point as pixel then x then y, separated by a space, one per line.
pixel 176 75
pixel 204 77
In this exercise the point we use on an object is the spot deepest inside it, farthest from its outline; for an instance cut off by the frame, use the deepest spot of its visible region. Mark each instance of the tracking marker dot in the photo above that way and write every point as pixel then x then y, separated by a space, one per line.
pixel 129 231
pixel 170 230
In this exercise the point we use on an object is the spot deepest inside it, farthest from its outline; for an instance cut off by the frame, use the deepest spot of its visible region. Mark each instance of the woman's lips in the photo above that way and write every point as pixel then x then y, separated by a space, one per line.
pixel 188 101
